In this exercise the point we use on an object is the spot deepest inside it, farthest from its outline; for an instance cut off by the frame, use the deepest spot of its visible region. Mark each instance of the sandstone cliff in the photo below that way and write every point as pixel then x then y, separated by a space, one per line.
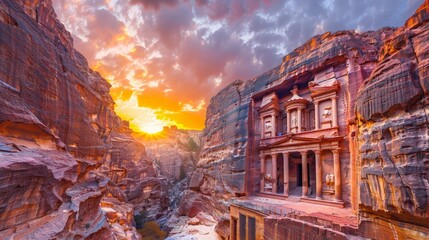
pixel 174 153
pixel 393 111
pixel 227 166
pixel 68 163
pixel 387 146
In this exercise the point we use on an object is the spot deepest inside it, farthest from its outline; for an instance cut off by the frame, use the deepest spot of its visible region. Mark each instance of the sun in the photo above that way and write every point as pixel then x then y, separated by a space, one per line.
pixel 151 127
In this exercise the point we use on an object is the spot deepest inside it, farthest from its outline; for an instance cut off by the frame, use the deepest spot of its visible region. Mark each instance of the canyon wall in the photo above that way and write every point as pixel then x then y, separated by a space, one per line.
pixel 174 153
pixel 385 164
pixel 393 135
pixel 68 163
pixel 229 161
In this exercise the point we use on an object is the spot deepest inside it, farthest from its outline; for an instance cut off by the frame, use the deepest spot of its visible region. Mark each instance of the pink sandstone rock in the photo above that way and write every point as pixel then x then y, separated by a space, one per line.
pixel 383 118
pixel 60 139
pixel 392 107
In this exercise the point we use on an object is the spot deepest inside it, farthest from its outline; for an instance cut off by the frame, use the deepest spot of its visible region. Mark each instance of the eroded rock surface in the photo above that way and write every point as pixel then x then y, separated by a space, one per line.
pixel 228 165
pixel 385 155
pixel 174 153
pixel 66 158
pixel 393 110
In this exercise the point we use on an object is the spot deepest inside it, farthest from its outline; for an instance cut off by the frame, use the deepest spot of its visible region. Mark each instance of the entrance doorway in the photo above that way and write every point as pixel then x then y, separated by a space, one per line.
pixel 299 175
pixel 280 175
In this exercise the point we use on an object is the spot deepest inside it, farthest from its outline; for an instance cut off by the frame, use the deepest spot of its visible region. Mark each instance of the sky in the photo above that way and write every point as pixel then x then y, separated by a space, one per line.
pixel 165 59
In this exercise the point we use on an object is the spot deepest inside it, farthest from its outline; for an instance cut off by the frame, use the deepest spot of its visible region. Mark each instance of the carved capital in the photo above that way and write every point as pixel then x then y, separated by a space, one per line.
pixel 335 151
pixel 286 155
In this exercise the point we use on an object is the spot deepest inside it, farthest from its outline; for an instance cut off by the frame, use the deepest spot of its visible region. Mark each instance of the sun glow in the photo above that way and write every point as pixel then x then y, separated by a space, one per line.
pixel 141 119
pixel 151 127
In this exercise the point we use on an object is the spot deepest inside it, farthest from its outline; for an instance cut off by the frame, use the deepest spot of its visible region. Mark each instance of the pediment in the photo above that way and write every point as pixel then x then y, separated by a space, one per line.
pixel 273 105
pixel 317 90
pixel 294 140
pixel 270 102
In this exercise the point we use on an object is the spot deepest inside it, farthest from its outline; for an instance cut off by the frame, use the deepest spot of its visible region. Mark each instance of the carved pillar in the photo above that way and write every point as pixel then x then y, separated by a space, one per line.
pixel 274 172
pixel 262 180
pixel 262 127
pixel 316 115
pixel 304 174
pixel 318 174
pixel 286 173
pixel 334 112
pixel 288 122
pixel 299 119
pixel 337 172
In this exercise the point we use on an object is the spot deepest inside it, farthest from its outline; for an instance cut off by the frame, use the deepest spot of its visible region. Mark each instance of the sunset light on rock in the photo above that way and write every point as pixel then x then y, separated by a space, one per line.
pixel 214 119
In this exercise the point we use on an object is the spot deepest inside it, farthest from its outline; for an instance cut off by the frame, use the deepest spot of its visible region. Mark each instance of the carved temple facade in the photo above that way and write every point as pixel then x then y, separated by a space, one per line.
pixel 303 146
pixel 300 144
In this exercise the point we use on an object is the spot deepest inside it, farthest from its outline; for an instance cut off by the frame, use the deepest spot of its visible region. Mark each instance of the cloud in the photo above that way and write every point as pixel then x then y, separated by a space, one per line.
pixel 171 24
pixel 156 98
pixel 168 56
pixel 155 4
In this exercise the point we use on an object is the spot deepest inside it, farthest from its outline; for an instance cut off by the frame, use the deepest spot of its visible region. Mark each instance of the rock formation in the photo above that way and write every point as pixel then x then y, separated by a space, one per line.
pixel 229 146
pixel 174 153
pixel 393 109
pixel 385 72
pixel 70 168
pixel 68 163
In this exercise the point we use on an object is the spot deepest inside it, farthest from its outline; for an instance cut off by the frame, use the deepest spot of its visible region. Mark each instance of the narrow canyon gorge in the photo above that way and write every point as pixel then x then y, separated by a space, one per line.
pixel 331 144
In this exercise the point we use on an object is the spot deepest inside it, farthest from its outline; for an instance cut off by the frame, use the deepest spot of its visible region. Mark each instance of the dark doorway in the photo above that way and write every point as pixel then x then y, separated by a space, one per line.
pixel 251 234
pixel 299 175
pixel 280 175
pixel 242 222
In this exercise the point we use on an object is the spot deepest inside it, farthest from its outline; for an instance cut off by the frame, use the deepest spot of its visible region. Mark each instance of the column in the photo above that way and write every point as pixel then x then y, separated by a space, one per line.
pixel 318 174
pixel 262 180
pixel 262 127
pixel 337 172
pixel 299 119
pixel 304 174
pixel 334 112
pixel 274 173
pixel 316 115
pixel 233 228
pixel 286 173
pixel 288 121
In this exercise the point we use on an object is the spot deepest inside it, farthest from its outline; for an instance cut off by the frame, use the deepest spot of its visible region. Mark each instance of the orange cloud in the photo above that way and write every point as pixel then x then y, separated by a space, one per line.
pixel 187 120
pixel 157 98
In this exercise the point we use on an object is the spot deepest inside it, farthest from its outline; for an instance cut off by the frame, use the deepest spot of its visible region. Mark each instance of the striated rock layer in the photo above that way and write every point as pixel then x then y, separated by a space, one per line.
pixel 174 153
pixel 229 160
pixel 385 112
pixel 393 110
pixel 66 158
